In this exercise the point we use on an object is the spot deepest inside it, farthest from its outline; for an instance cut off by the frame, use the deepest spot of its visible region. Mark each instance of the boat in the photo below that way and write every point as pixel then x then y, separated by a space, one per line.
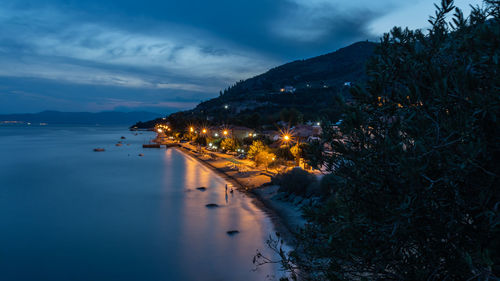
pixel 98 149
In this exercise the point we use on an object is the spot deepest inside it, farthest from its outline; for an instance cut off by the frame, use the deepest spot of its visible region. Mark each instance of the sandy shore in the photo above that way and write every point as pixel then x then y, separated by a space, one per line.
pixel 286 216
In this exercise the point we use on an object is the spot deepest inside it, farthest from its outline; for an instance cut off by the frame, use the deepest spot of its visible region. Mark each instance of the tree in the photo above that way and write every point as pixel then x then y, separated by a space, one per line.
pixel 256 147
pixel 291 116
pixel 229 144
pixel 415 185
pixel 264 158
pixel 314 154
pixel 298 151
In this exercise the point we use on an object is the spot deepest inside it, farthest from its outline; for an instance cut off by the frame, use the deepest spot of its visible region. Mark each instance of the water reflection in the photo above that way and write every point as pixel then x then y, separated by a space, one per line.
pixel 79 215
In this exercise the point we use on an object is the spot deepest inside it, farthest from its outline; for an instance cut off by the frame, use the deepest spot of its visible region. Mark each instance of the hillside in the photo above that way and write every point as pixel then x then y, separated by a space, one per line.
pixel 312 86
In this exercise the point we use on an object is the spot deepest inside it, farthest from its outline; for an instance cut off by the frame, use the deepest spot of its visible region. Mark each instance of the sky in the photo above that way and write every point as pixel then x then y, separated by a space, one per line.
pixel 168 55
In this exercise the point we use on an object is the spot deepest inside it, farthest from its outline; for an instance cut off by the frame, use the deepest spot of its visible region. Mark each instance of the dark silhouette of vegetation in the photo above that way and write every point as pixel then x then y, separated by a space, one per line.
pixel 296 181
pixel 415 191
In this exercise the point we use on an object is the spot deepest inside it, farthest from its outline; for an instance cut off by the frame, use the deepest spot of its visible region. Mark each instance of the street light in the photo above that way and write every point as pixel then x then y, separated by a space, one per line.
pixel 225 132
pixel 191 129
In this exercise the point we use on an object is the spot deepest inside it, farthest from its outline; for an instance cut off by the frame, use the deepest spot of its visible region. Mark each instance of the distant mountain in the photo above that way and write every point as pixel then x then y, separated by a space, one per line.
pixel 307 86
pixel 84 118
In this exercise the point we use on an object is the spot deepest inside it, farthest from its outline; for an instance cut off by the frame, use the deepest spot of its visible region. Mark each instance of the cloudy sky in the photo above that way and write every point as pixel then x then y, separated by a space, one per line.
pixel 168 55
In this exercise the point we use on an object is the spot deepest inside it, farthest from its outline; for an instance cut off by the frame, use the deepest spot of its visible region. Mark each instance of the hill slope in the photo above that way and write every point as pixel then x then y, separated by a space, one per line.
pixel 258 101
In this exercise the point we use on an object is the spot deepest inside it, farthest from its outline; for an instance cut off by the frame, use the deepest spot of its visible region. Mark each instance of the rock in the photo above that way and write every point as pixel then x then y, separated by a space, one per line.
pixel 122 137
pixel 201 188
pixel 297 200
pixel 277 196
pixel 212 205
pixel 232 232
pixel 306 202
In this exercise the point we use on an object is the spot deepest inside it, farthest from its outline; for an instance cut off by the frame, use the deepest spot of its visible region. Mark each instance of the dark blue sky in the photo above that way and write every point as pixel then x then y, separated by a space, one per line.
pixel 168 55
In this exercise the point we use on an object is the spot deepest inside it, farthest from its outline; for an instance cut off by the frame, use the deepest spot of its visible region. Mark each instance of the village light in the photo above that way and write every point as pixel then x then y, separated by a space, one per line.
pixel 216 134
pixel 210 144
pixel 160 130
pixel 225 132
pixel 286 137
pixel 191 129
pixel 317 124
pixel 226 106
pixel 204 131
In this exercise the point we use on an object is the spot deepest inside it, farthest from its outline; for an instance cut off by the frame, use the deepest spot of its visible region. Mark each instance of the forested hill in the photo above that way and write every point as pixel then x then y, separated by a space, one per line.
pixel 304 89
pixel 333 69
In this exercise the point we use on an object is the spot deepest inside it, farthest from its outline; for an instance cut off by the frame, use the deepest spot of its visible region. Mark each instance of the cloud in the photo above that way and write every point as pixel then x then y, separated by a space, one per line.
pixel 50 44
pixel 313 21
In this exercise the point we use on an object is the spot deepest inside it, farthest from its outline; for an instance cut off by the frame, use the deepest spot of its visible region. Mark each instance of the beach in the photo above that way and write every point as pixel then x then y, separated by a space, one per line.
pixel 255 182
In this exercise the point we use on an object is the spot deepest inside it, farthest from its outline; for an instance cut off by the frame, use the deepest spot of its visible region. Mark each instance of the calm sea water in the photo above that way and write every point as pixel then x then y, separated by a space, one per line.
pixel 68 213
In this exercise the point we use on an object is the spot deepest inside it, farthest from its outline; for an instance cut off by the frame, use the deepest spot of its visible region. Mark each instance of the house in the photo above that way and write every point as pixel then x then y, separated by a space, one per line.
pixel 272 135
pixel 305 132
pixel 241 132
pixel 288 89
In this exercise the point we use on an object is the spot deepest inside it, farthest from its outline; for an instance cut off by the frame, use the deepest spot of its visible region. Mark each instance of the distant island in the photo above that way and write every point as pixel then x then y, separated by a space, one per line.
pixel 81 118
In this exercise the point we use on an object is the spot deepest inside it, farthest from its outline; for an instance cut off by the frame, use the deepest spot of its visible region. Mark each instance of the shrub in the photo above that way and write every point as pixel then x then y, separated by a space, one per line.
pixel 284 153
pixel 264 158
pixel 328 185
pixel 229 144
pixel 256 147
pixel 295 181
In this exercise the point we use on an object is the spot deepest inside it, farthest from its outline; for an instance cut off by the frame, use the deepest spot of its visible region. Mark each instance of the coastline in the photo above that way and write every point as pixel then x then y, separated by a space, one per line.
pixel 285 216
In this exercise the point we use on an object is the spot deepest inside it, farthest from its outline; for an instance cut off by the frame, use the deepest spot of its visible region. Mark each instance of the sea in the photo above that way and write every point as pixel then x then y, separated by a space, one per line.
pixel 69 213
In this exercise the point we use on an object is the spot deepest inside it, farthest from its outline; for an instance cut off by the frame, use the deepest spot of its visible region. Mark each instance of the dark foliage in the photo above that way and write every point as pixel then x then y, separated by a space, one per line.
pixel 295 181
pixel 415 184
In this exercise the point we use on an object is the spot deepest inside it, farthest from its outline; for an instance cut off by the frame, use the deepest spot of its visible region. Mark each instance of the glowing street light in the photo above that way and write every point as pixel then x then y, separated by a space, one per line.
pixel 204 131
pixel 225 132
pixel 286 136
pixel 191 129
pixel 160 130
pixel 216 134
pixel 226 106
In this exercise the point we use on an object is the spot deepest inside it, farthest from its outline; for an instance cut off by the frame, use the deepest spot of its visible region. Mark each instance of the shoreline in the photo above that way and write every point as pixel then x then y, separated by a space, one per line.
pixel 284 216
